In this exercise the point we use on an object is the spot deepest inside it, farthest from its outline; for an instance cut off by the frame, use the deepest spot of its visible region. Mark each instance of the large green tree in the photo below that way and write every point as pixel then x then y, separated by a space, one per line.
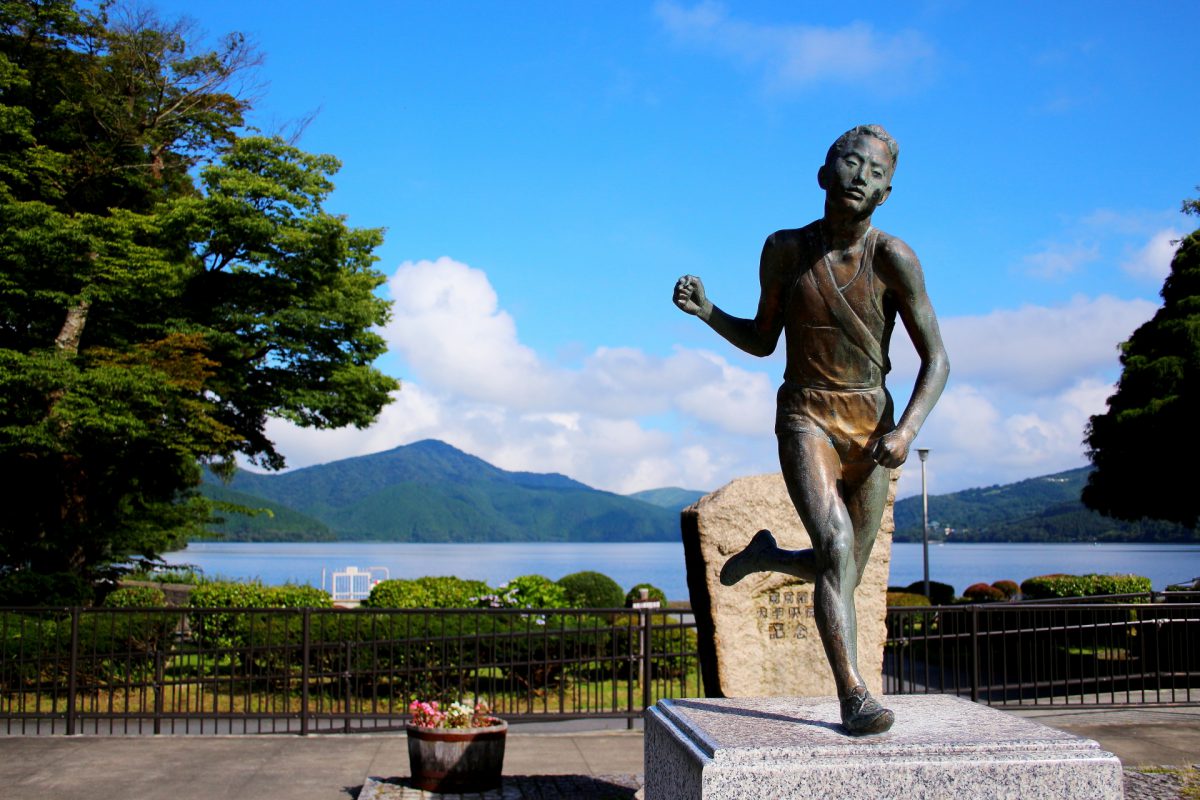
pixel 168 282
pixel 1139 443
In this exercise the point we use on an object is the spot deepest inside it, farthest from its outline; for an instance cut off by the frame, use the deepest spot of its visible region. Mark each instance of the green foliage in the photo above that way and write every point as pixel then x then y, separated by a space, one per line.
pixel 635 594
pixel 1008 588
pixel 983 593
pixel 244 517
pixel 901 598
pixel 58 589
pixel 1154 405
pixel 1045 587
pixel 589 589
pixel 427 592
pixel 531 591
pixel 136 597
pixel 941 594
pixel 229 629
pixel 398 593
pixel 167 285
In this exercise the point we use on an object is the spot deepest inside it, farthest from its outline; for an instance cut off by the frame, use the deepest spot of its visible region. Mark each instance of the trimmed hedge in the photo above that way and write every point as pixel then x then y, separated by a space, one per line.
pixel 983 593
pixel 531 591
pixel 136 597
pixel 427 592
pixel 901 598
pixel 635 594
pixel 941 594
pixel 589 589
pixel 1044 587
pixel 1009 589
pixel 229 630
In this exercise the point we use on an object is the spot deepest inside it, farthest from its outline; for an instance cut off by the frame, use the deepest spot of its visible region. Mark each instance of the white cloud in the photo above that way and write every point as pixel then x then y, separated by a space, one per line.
pixel 1023 383
pixel 1153 261
pixel 1033 349
pixel 795 56
pixel 1058 260
pixel 477 387
pixel 979 440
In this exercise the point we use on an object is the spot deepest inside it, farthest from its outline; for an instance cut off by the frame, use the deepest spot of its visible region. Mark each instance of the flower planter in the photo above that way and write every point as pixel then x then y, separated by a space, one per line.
pixel 456 759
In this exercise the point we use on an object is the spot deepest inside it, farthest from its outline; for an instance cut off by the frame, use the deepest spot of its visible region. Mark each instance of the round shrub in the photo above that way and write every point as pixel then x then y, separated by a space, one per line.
pixel 635 594
pixel 136 597
pixel 398 593
pixel 531 591
pixel 1009 589
pixel 941 594
pixel 982 593
pixel 902 598
pixel 589 589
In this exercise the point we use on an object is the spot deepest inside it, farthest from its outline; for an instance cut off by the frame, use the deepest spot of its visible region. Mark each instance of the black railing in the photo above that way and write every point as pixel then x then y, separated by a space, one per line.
pixel 1093 651
pixel 300 671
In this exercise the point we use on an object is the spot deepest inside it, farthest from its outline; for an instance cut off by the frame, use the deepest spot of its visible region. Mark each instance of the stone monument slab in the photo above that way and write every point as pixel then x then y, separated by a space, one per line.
pixel 939 747
pixel 759 637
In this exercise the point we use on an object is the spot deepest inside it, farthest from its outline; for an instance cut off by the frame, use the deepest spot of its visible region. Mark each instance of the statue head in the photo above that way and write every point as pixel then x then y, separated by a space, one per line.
pixel 858 168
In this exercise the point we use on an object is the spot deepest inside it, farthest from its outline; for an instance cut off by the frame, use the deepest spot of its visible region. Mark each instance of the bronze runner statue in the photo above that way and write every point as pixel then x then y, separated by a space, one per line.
pixel 835 286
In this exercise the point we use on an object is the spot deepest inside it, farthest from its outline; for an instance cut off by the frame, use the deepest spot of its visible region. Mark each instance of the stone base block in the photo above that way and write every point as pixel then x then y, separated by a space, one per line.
pixel 793 747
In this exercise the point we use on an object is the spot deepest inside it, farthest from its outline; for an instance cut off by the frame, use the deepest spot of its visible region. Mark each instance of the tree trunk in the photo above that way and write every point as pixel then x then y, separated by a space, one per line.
pixel 67 341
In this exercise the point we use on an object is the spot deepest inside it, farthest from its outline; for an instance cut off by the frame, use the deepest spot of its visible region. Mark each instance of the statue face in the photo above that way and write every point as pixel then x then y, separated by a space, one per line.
pixel 859 178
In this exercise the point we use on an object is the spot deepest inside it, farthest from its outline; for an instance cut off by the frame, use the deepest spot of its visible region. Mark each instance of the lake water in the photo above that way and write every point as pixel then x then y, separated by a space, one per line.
pixel 661 563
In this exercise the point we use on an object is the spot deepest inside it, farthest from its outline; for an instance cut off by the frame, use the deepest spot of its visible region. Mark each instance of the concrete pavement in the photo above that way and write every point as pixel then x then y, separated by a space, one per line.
pixel 563 764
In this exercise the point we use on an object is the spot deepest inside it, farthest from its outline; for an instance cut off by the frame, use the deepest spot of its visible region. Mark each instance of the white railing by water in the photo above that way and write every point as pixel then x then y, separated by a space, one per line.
pixel 352 583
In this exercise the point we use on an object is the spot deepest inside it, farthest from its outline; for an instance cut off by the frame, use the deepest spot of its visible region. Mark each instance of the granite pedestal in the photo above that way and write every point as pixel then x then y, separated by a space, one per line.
pixel 793 747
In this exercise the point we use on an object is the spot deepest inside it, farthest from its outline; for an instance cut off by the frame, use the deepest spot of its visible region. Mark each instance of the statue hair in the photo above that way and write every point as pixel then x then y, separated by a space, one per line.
pixel 876 131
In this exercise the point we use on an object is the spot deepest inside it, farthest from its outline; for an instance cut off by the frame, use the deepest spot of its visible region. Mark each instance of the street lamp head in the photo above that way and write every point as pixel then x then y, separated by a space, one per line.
pixel 923 452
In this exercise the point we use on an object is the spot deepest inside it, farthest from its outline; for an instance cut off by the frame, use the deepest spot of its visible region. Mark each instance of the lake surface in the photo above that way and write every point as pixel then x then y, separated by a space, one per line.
pixel 661 563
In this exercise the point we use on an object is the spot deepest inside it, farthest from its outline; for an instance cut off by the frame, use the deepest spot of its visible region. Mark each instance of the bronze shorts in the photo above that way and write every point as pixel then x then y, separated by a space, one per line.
pixel 849 419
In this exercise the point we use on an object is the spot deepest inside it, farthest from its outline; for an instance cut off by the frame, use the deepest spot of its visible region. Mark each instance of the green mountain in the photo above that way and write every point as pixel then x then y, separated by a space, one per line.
pixel 670 497
pixel 273 523
pixel 431 492
pixel 1044 509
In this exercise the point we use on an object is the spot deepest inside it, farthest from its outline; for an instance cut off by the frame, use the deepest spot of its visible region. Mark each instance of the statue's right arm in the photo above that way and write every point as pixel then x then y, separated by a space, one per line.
pixel 757 336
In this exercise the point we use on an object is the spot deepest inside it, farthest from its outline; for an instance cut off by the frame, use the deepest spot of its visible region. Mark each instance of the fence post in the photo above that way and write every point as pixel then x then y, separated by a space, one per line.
pixel 73 671
pixel 644 655
pixel 346 687
pixel 304 652
pixel 974 653
pixel 159 676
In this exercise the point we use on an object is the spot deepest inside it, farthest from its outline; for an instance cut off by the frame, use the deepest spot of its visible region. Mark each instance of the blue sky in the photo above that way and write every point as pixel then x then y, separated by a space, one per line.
pixel 546 170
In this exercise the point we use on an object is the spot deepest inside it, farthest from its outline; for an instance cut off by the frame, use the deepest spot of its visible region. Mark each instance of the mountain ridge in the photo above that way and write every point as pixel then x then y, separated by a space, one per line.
pixel 1045 508
pixel 430 491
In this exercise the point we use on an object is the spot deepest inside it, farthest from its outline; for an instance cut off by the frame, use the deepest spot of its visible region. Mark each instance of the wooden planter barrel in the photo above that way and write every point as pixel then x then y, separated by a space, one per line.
pixel 456 759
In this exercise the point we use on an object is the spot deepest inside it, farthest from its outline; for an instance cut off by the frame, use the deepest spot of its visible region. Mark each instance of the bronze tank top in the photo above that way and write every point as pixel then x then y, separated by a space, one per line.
pixel 836 343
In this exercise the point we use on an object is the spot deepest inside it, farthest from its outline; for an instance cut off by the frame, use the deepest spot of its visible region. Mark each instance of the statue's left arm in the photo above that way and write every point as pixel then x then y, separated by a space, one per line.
pixel 897 266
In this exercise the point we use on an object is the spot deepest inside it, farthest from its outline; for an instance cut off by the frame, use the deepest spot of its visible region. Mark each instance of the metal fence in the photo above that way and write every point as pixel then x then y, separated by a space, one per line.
pixel 1115 651
pixel 115 671
pixel 299 671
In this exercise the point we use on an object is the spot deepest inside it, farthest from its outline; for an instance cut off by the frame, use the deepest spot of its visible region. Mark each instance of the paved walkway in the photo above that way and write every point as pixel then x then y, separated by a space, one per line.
pixel 568 763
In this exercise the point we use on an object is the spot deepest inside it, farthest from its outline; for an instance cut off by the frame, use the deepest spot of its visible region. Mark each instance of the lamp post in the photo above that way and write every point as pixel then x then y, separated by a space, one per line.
pixel 923 452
